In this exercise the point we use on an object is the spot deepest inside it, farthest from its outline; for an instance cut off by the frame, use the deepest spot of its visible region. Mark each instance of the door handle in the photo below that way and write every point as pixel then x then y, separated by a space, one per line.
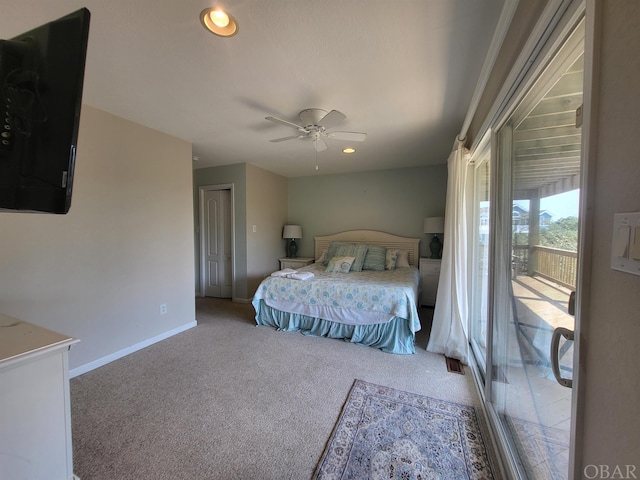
pixel 555 359
pixel 571 307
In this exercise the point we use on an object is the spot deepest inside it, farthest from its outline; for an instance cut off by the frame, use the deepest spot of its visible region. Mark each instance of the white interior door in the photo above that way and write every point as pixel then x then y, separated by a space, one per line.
pixel 217 243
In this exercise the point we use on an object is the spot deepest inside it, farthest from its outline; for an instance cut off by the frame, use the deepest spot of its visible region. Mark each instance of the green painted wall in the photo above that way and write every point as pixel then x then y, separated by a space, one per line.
pixel 395 201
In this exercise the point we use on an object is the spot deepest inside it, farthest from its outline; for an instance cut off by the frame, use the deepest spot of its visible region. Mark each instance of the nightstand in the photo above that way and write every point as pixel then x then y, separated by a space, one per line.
pixel 295 263
pixel 429 276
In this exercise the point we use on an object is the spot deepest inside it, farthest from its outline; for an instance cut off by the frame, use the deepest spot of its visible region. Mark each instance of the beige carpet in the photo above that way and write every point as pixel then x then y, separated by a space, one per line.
pixel 228 400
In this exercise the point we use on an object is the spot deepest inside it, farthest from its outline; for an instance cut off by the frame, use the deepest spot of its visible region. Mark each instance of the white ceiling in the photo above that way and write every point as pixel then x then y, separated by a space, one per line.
pixel 402 71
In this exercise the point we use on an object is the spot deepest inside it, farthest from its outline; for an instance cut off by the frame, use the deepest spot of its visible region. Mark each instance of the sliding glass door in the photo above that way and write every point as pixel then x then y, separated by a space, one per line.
pixel 525 266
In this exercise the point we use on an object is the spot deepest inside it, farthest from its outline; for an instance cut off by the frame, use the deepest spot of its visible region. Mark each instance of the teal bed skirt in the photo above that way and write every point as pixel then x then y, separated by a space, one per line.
pixel 394 336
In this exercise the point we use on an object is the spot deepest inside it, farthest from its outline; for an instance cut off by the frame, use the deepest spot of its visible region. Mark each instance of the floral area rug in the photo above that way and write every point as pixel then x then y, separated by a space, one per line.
pixel 391 434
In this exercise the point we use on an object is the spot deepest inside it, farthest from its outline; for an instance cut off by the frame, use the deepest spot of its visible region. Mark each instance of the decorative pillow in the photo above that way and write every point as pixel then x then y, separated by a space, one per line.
pixel 391 259
pixel 331 250
pixel 340 264
pixel 322 257
pixel 357 250
pixel 403 259
pixel 375 258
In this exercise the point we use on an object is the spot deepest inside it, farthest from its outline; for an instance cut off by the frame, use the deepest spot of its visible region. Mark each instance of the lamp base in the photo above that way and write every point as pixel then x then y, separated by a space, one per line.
pixel 436 247
pixel 292 249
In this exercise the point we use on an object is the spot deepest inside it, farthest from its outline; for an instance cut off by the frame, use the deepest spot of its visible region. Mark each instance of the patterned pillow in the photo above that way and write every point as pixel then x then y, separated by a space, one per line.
pixel 391 259
pixel 331 250
pixel 340 264
pixel 375 258
pixel 357 250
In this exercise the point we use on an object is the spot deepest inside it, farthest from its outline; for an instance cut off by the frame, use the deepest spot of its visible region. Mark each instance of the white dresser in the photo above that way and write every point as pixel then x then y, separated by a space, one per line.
pixel 35 409
pixel 429 276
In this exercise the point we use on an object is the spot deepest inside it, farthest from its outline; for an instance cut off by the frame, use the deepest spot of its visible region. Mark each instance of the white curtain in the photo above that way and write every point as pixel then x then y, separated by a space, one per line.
pixel 449 330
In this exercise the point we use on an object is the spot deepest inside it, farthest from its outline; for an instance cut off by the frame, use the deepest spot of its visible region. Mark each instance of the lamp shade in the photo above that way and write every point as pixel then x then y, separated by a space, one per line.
pixel 292 231
pixel 434 225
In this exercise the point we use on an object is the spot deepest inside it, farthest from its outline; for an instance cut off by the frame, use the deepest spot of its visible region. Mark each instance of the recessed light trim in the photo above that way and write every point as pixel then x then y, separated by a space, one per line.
pixel 349 150
pixel 218 22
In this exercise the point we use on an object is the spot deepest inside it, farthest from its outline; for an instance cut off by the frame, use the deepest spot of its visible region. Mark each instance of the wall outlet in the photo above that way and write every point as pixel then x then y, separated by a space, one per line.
pixel 163 309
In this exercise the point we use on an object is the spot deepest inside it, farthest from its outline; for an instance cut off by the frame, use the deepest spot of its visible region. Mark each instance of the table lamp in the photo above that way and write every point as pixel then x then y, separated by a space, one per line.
pixel 291 232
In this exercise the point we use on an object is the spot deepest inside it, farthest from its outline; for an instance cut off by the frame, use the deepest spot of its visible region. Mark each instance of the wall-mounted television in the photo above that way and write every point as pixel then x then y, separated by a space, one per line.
pixel 41 80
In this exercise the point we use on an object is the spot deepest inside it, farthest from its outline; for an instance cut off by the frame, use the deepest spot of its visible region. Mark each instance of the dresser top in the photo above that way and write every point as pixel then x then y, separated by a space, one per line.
pixel 19 339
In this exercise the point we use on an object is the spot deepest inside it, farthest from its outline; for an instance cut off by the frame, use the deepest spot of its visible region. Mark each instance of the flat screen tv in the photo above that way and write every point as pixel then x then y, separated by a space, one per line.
pixel 41 79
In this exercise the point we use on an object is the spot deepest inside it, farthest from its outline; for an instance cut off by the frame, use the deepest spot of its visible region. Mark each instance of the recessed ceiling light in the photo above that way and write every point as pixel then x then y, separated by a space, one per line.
pixel 348 150
pixel 219 22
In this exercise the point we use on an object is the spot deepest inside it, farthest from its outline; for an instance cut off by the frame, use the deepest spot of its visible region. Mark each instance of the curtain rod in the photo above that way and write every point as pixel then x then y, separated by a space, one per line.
pixel 506 15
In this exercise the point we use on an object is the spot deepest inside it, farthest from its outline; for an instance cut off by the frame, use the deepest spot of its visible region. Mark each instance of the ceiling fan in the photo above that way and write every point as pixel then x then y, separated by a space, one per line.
pixel 314 124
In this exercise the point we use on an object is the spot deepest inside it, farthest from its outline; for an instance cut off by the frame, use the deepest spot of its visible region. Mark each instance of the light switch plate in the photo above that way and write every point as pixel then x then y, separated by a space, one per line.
pixel 625 244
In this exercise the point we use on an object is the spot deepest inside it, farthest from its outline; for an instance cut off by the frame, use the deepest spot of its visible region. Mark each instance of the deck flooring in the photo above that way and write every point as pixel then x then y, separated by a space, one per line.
pixel 537 410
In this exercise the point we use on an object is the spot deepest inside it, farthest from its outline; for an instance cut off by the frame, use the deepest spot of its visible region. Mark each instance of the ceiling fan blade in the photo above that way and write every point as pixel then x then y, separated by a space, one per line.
pixel 350 136
pixel 332 118
pixel 319 144
pixel 275 140
pixel 284 122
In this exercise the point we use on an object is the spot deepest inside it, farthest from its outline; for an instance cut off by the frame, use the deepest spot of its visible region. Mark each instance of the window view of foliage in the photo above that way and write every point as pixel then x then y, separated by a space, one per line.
pixel 554 232
pixel 562 233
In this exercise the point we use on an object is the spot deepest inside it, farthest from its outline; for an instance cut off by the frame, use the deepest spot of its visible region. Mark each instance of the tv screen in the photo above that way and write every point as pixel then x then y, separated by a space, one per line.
pixel 41 79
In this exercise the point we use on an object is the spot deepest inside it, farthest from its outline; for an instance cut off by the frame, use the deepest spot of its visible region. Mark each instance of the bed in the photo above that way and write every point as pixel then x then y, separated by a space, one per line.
pixel 358 302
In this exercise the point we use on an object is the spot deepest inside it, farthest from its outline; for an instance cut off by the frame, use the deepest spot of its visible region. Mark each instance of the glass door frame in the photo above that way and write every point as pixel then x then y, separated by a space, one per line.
pixel 563 18
pixel 481 158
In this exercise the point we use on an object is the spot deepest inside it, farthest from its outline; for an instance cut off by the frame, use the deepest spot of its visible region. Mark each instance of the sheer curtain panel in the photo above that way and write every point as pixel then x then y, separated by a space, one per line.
pixel 449 331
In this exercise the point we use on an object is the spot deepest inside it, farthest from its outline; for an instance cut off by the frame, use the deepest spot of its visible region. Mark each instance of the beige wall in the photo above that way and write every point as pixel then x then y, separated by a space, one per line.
pixel 267 210
pixel 101 272
pixel 611 324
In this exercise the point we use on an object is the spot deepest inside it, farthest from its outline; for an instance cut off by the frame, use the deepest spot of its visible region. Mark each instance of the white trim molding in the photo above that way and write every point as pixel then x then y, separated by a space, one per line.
pixel 87 367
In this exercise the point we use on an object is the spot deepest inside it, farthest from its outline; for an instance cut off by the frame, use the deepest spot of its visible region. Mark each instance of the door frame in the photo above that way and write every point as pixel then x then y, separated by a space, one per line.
pixel 202 236
pixel 561 15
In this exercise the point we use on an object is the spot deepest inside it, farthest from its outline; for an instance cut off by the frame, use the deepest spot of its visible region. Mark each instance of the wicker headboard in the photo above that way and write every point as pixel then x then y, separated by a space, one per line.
pixel 412 245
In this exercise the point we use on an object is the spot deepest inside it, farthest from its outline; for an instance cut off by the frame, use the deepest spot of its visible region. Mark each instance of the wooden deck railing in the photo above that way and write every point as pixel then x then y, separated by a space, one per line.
pixel 554 264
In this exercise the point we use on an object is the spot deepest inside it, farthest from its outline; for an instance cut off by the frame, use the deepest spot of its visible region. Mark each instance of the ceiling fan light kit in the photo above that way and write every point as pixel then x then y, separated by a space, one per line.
pixel 314 123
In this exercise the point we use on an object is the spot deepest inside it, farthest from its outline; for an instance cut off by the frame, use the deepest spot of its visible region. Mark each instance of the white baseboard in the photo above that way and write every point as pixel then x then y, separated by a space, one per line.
pixel 87 367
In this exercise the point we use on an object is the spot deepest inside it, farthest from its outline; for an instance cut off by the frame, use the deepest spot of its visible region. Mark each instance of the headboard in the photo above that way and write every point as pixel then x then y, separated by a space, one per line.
pixel 388 240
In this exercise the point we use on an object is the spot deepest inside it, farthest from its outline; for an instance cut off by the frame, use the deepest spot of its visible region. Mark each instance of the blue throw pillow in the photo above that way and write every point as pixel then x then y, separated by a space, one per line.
pixel 357 250
pixel 375 258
